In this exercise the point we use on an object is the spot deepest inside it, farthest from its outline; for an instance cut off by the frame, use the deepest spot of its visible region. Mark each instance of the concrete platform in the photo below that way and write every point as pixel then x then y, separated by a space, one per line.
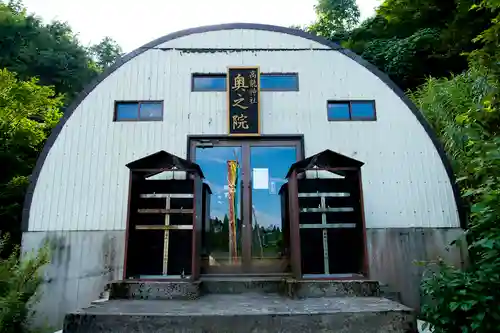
pixel 245 313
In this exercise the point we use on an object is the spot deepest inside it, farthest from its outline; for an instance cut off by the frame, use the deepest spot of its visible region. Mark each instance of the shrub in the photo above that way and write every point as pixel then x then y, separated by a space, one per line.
pixel 455 300
pixel 20 279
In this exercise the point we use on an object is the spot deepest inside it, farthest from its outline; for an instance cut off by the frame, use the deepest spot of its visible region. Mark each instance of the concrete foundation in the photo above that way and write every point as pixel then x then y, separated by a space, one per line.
pixel 153 290
pixel 185 290
pixel 81 265
pixel 83 262
pixel 393 254
pixel 322 288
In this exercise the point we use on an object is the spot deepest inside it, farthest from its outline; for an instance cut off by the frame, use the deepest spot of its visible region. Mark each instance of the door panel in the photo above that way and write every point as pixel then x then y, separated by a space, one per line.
pixel 268 166
pixel 222 248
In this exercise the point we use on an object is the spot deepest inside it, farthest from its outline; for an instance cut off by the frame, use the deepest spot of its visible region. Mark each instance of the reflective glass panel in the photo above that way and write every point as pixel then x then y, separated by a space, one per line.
pixel 363 110
pixel 278 82
pixel 270 230
pixel 209 83
pixel 151 111
pixel 338 111
pixel 222 234
pixel 127 111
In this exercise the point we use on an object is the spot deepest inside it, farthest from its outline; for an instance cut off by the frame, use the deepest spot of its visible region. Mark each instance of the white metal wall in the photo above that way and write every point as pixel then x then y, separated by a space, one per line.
pixel 83 184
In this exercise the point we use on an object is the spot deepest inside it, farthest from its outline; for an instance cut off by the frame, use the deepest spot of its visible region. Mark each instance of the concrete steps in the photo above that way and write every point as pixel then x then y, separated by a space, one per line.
pixel 243 305
pixel 244 313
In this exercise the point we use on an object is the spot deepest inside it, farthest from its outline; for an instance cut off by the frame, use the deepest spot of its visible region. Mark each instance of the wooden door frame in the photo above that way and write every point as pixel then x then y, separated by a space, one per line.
pixel 246 142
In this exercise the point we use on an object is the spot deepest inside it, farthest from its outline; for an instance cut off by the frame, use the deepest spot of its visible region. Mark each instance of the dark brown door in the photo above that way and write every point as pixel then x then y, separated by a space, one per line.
pixel 245 232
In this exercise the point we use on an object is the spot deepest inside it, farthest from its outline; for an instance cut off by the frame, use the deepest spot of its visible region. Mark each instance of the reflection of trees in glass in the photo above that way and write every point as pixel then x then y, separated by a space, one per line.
pixel 271 240
pixel 219 235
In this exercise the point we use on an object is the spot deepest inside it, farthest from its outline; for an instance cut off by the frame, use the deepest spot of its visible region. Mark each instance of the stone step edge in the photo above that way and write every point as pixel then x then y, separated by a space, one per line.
pixel 132 289
pixel 403 319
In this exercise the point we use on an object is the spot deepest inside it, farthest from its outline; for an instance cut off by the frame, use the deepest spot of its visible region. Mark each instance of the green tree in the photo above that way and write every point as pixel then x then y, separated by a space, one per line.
pixel 335 18
pixel 28 112
pixel 106 52
pixel 29 107
pixel 50 52
pixel 489 54
pixel 411 40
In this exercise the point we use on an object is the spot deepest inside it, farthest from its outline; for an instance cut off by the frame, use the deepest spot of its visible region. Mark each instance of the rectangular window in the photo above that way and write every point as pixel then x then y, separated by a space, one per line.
pixel 139 111
pixel 338 111
pixel 351 110
pixel 279 82
pixel 209 82
pixel 268 82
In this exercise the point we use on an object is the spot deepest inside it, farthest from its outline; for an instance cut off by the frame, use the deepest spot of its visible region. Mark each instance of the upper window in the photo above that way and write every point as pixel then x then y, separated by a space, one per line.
pixel 351 110
pixel 139 111
pixel 279 82
pixel 268 82
pixel 209 82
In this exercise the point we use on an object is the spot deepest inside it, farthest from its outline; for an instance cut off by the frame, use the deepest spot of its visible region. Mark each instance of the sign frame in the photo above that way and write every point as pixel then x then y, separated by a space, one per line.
pixel 228 93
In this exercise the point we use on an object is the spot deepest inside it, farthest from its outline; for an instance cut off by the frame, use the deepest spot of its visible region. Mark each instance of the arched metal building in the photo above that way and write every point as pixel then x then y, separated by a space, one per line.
pixel 177 100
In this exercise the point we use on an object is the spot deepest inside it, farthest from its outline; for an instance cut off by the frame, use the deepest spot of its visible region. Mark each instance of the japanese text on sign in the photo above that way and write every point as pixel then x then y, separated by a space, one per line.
pixel 243 94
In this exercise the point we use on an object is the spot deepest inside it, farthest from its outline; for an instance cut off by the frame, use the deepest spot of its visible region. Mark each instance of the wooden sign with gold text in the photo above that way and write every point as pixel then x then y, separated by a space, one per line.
pixel 243 92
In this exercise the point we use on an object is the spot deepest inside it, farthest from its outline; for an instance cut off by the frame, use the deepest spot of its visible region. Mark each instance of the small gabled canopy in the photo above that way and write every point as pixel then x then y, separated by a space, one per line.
pixel 161 161
pixel 325 159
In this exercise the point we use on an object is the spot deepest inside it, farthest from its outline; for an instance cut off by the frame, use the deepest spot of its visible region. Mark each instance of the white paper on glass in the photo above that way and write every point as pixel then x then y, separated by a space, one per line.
pixel 260 179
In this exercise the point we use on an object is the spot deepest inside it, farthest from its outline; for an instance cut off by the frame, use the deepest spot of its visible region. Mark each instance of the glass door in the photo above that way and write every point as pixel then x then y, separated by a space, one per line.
pixel 246 232
pixel 222 246
pixel 269 229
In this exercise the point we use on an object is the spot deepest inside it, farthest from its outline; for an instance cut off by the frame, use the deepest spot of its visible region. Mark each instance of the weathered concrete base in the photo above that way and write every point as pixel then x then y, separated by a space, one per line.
pixel 85 261
pixel 153 290
pixel 165 290
pixel 324 288
pixel 228 285
pixel 393 252
pixel 248 313
pixel 82 263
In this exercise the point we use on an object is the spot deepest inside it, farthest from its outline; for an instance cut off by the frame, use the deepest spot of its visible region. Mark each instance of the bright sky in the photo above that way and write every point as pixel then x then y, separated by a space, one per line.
pixel 134 23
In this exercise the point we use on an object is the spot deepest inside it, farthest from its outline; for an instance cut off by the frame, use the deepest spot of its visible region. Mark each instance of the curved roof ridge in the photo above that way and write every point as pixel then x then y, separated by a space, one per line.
pixel 233 26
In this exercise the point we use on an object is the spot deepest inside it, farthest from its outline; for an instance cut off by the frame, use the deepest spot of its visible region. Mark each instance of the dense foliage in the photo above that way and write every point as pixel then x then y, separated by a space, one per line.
pixel 28 111
pixel 469 301
pixel 448 54
pixel 409 40
pixel 105 52
pixel 50 52
pixel 42 67
pixel 460 109
pixel 19 282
